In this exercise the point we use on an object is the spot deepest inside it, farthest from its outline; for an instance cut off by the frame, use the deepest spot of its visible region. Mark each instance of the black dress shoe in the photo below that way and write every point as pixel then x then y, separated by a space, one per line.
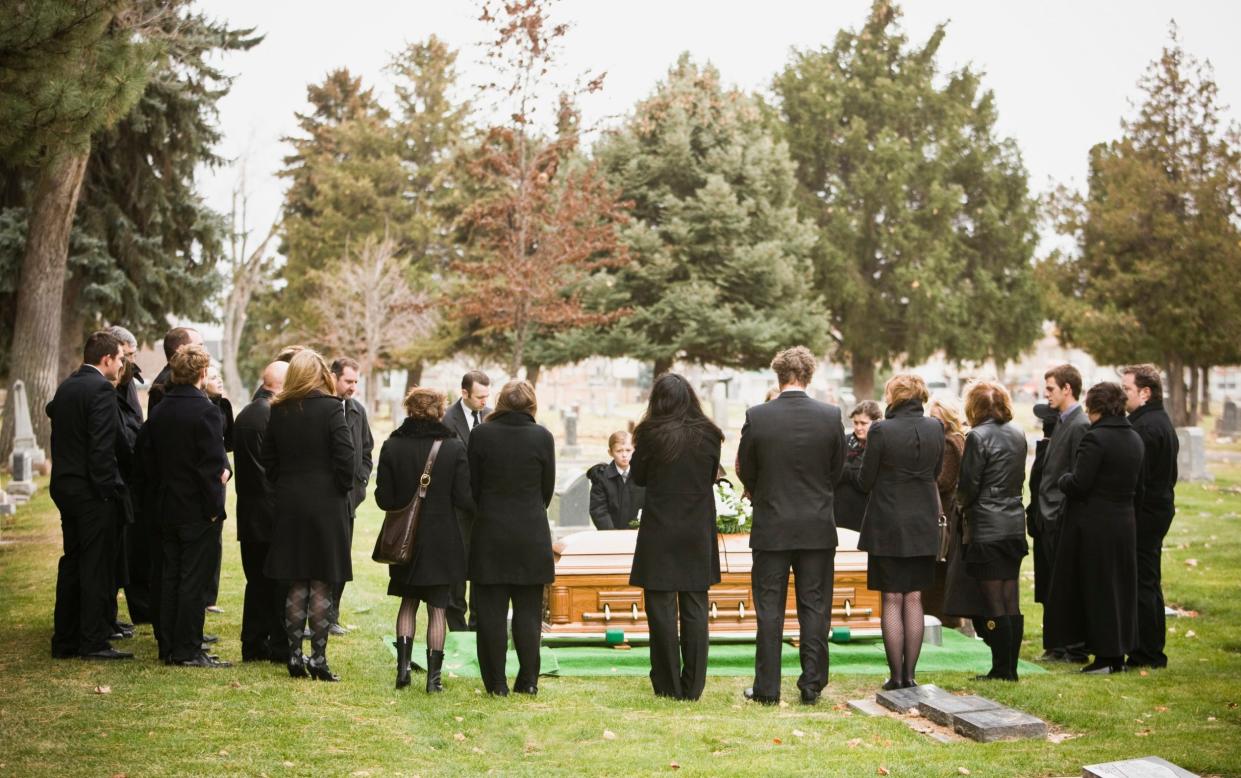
pixel 124 626
pixel 108 653
pixel 1103 667
pixel 911 683
pixel 761 699
pixel 498 692
pixel 531 690
pixel 203 660
pixel 809 697
pixel 890 684
pixel 211 638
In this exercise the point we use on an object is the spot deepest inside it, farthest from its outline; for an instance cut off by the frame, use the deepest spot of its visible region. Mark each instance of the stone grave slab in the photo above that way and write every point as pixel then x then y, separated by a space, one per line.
pixel 1143 767
pixel 944 710
pixel 901 700
pixel 868 707
pixel 987 726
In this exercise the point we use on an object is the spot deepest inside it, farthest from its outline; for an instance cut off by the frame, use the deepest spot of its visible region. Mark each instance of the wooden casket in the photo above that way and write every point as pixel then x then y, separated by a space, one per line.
pixel 591 599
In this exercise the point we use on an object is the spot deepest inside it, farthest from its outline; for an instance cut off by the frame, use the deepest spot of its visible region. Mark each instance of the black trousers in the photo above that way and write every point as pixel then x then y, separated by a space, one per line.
pixel 262 615
pixel 85 579
pixel 338 587
pixel 679 642
pixel 138 591
pixel 212 592
pixel 190 552
pixel 461 614
pixel 813 572
pixel 1152 623
pixel 1045 552
pixel 492 602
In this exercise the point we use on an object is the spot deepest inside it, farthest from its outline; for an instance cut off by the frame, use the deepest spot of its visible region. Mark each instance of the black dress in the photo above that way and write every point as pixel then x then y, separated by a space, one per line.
pixel 1093 594
pixel 439 550
pixel 904 453
pixel 308 457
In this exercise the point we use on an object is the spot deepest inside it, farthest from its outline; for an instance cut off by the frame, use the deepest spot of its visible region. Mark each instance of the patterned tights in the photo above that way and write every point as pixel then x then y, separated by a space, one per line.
pixel 902 632
pixel 309 601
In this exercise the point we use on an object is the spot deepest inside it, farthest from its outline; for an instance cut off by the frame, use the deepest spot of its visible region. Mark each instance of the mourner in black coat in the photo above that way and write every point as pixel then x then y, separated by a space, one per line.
pixel 676 558
pixel 173 340
pixel 262 630
pixel 904 454
pixel 1093 596
pixel 308 456
pixel 363 451
pixel 615 500
pixel 187 461
pixel 513 478
pixel 791 454
pixel 139 542
pixel 89 492
pixel 850 504
pixel 1155 507
pixel 439 550
pixel 462 419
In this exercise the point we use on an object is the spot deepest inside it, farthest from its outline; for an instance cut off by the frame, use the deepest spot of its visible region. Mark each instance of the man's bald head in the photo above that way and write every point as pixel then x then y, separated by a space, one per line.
pixel 273 376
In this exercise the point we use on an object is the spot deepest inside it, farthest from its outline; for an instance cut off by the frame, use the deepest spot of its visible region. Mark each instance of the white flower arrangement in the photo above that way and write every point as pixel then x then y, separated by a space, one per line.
pixel 733 511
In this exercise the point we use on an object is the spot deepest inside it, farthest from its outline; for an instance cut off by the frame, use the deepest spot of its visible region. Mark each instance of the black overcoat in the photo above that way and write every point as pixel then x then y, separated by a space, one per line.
pixel 86 425
pixel 677 550
pixel 904 453
pixel 513 478
pixel 363 450
pixel 790 457
pixel 256 498
pixel 308 456
pixel 1093 594
pixel 439 550
pixel 614 500
pixel 186 457
pixel 1157 503
pixel 850 499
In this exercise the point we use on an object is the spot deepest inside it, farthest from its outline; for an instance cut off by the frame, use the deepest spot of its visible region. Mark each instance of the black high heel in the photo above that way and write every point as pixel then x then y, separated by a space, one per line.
pixel 403 648
pixel 321 672
pixel 891 684
pixel 297 665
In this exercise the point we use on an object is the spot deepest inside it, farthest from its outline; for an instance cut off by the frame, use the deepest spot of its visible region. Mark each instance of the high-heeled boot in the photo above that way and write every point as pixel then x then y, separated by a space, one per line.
pixel 994 632
pixel 320 671
pixel 404 646
pixel 1016 632
pixel 435 661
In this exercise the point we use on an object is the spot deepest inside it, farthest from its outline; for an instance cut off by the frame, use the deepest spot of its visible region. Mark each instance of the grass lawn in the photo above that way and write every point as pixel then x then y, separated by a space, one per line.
pixel 55 717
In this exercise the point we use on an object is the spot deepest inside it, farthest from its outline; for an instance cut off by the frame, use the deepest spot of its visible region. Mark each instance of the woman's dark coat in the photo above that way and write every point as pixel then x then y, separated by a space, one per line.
pixel 1093 593
pixel 850 499
pixel 993 474
pixel 904 453
pixel 308 457
pixel 439 551
pixel 677 549
pixel 513 477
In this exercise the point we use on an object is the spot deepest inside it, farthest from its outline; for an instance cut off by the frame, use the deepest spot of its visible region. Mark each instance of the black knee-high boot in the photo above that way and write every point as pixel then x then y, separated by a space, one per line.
pixel 1016 633
pixel 994 632
pixel 404 646
pixel 435 661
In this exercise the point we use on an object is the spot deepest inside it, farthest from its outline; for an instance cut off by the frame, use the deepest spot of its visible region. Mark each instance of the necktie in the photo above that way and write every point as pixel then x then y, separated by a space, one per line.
pixel 476 419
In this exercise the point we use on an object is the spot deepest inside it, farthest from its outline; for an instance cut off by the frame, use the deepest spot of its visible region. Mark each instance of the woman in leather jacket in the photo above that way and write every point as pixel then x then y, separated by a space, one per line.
pixel 989 492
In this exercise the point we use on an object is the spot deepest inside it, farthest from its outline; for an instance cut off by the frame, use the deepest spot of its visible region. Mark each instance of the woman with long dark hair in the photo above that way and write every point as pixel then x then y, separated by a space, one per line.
pixel 676 458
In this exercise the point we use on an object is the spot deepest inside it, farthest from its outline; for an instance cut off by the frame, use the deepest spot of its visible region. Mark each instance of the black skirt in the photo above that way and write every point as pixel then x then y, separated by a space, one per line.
pixel 435 596
pixel 997 560
pixel 900 574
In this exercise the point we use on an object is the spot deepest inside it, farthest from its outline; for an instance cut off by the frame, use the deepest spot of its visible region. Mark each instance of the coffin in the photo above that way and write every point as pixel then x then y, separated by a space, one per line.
pixel 591 599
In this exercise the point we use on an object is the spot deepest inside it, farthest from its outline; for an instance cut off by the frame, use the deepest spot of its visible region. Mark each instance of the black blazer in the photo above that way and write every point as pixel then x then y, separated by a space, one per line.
pixel 454 419
pixel 439 550
pixel 513 477
pixel 677 550
pixel 904 453
pixel 614 501
pixel 186 458
pixel 363 450
pixel 993 474
pixel 86 425
pixel 225 407
pixel 791 454
pixel 256 500
pixel 1159 473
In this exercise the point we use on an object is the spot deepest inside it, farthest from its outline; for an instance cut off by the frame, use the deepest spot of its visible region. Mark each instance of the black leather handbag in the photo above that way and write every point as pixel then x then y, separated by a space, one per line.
pixel 395 544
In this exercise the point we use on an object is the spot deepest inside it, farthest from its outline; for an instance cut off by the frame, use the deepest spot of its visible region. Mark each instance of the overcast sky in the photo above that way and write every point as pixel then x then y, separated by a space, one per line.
pixel 1063 72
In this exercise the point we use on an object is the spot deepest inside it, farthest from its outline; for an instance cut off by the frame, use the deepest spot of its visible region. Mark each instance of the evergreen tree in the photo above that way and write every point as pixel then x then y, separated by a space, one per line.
pixel 926 229
pixel 722 272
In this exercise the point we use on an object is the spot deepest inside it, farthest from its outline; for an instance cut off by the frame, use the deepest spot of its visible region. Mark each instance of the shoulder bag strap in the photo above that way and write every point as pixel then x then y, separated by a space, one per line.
pixel 425 482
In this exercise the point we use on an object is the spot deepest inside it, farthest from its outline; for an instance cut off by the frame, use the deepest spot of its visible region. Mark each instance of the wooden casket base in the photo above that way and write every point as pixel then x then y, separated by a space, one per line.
pixel 591 599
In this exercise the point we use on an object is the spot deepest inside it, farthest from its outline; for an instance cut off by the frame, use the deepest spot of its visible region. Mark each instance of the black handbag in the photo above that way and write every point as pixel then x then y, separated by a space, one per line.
pixel 395 544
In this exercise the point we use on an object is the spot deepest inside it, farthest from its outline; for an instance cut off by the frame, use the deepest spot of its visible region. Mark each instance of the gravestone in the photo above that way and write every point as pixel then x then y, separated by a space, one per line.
pixel 719 404
pixel 1230 422
pixel 570 449
pixel 1191 460
pixel 22 487
pixel 23 430
pixel 987 726
pixel 1144 767
pixel 575 505
pixel 944 710
pixel 7 506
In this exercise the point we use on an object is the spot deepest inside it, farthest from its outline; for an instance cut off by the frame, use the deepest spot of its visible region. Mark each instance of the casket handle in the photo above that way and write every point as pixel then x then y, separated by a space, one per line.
pixel 715 611
pixel 633 611
pixel 607 612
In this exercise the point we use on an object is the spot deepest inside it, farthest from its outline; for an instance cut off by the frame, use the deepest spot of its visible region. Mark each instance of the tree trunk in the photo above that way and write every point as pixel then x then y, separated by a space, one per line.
pixel 1195 393
pixel 863 377
pixel 72 327
pixel 1206 391
pixel 234 323
pixel 662 365
pixel 40 288
pixel 532 374
pixel 413 375
pixel 1176 392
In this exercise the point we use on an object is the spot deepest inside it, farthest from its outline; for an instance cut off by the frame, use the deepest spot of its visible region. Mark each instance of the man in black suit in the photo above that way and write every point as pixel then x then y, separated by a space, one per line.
pixel 88 490
pixel 175 339
pixel 791 453
pixel 1155 505
pixel 262 624
pixel 346 371
pixel 134 554
pixel 185 456
pixel 462 417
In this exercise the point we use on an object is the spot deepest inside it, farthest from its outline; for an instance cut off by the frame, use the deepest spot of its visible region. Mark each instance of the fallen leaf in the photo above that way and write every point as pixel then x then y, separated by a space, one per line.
pixel 1189 633
pixel 1232 705
pixel 223 752
pixel 883 771
pixel 609 734
pixel 963 770
pixel 476 750
pixel 361 774
pixel 1143 673
pixel 118 775
pixel 798 733
pixel 459 737
pixel 1142 732
pixel 1161 708
pixel 459 718
pixel 1210 718
pixel 854 742
pixel 777 740
pixel 235 684
pixel 783 704
pixel 286 764
pixel 103 690
pixel 674 765
pixel 1191 562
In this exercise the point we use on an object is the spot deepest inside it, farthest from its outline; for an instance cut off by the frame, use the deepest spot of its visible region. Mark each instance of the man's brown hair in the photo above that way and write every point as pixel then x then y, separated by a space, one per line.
pixel 1066 375
pixel 340 363
pixel 794 366
pixel 1146 376
pixel 175 339
pixel 516 397
pixel 1106 399
pixel 474 377
pixel 188 364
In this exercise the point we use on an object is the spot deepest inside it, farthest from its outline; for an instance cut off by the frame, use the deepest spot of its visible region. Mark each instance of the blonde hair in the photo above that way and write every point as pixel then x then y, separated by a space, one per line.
pixel 307 373
pixel 988 400
pixel 949 414
pixel 618 437
pixel 188 364
pixel 424 403
pixel 516 397
pixel 903 387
